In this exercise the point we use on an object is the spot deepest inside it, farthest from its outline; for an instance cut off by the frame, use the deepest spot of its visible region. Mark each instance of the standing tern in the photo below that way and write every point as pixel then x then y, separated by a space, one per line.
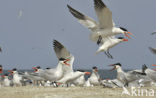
pixel 69 75
pixel 126 77
pixel 94 79
pixel 36 79
pixel 150 73
pixel 80 81
pixel 17 78
pixel 6 81
pixel 54 74
pixel 69 78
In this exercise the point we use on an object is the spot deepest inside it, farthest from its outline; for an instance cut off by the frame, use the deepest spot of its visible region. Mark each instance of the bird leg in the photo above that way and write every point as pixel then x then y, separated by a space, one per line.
pixel 99 40
pixel 109 54
pixel 126 84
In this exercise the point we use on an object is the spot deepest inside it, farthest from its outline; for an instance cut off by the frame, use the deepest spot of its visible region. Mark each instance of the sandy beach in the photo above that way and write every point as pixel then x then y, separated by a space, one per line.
pixel 64 92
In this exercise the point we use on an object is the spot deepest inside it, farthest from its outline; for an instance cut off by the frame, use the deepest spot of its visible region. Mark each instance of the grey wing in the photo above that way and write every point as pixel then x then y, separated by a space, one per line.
pixel 153 50
pixel 104 14
pixel 84 20
pixel 60 50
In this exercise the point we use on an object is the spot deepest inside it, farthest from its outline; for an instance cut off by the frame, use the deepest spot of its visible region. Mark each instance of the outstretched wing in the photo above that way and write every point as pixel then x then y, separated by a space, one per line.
pixel 84 20
pixel 104 14
pixel 60 50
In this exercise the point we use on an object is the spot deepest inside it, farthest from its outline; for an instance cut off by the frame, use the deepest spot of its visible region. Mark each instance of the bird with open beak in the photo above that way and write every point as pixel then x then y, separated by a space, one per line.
pixel 115 66
pixel 17 78
pixel 36 68
pixel 94 79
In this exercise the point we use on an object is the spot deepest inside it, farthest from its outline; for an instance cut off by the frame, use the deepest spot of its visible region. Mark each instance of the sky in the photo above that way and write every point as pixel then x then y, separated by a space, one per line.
pixel 28 28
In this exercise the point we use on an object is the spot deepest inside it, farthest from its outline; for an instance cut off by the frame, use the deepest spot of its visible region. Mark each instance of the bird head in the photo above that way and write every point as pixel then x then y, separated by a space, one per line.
pixel 115 66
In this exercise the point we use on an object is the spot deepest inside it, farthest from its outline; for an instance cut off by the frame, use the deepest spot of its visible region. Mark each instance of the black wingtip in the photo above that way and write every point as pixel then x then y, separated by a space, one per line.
pixel 75 13
pixel 57 45
pixel 69 6
pixel 122 28
pixel 98 4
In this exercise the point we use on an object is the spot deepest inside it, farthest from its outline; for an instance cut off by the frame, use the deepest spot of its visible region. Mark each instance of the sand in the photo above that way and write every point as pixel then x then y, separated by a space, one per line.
pixel 66 92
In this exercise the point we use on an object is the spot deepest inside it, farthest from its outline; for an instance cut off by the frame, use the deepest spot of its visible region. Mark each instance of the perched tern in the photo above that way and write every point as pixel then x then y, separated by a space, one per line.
pixel 94 79
pixel 17 78
pixel 127 77
pixel 6 80
pixel 54 74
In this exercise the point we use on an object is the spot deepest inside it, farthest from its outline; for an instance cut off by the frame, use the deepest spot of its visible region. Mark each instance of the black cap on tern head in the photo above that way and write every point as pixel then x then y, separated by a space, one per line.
pixel 47 68
pixel 94 67
pixel 118 64
pixel 38 67
pixel 14 69
pixel 120 37
pixel 0 65
pixel 80 70
pixel 124 29
pixel 62 59
pixel 6 74
pixel 144 66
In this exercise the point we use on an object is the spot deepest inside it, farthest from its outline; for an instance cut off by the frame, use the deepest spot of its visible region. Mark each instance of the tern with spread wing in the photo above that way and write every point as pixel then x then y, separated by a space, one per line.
pixel 105 27
pixel 69 75
pixel 104 31
pixel 55 74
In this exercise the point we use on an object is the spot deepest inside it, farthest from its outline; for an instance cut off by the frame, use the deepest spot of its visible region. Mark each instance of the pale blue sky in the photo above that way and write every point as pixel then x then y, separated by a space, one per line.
pixel 27 41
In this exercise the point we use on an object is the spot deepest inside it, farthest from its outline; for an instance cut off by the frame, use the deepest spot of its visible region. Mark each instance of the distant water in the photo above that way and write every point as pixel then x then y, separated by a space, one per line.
pixel 104 74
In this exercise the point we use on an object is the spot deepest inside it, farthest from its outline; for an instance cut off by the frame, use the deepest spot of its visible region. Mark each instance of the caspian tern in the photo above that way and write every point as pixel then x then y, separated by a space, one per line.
pixel 105 27
pixel 80 81
pixel 36 79
pixel 17 79
pixel 108 43
pixel 68 74
pixel 153 50
pixel 111 83
pixel 127 77
pixel 150 73
pixel 69 78
pixel 6 81
pixel 94 79
pixel 57 73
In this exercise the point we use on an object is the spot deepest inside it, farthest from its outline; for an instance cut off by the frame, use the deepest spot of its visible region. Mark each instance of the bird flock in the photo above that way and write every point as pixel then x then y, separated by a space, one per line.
pixel 103 33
